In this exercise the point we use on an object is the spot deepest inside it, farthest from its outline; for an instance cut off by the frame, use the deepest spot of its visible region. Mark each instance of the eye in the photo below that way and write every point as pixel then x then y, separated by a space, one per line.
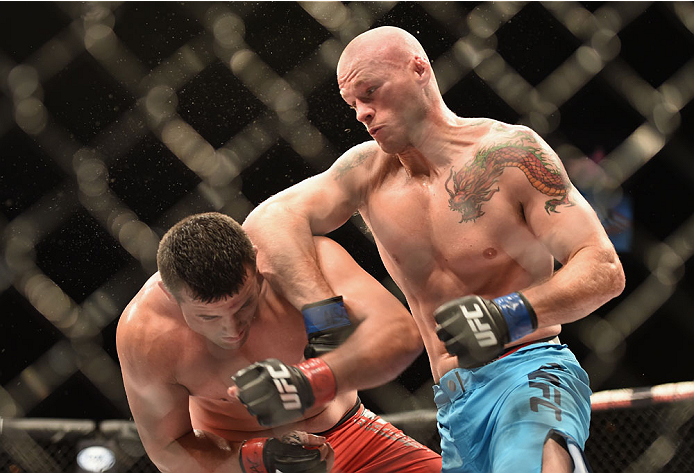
pixel 370 90
pixel 207 318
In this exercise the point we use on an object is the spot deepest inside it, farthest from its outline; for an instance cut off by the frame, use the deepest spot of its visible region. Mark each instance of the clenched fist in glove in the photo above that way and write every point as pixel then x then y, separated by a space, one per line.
pixel 476 329
pixel 288 455
pixel 277 393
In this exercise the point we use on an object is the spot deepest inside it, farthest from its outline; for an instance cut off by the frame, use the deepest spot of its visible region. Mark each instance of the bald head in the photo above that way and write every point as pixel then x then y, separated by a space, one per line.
pixel 384 44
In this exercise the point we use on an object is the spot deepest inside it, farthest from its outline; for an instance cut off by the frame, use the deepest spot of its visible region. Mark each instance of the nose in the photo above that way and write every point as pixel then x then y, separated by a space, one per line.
pixel 230 326
pixel 365 113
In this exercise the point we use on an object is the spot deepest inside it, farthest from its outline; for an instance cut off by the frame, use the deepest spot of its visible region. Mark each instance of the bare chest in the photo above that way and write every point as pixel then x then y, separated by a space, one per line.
pixel 449 236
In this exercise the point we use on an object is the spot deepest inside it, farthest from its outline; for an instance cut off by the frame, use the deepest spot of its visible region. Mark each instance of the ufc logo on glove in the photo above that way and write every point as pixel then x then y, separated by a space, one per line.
pixel 483 331
pixel 288 392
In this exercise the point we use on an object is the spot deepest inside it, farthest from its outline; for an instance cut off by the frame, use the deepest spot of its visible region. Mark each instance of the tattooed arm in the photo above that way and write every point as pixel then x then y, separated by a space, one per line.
pixel 282 226
pixel 568 227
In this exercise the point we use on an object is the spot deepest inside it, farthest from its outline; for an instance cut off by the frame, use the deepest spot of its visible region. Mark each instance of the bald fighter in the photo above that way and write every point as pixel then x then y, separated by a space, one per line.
pixel 469 216
pixel 222 374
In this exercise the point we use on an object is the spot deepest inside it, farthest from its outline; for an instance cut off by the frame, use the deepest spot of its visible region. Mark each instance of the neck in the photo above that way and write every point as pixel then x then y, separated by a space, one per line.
pixel 437 144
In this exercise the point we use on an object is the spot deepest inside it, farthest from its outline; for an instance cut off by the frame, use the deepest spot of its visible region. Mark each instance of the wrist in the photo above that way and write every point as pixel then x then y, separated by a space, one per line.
pixel 321 378
pixel 519 315
pixel 324 315
pixel 251 455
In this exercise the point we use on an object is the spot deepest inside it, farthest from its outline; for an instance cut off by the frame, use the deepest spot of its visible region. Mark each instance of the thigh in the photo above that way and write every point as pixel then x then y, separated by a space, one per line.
pixel 368 444
pixel 553 397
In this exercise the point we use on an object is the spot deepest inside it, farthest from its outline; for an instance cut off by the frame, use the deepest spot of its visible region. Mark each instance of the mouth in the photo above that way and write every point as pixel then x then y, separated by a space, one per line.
pixel 374 130
pixel 235 339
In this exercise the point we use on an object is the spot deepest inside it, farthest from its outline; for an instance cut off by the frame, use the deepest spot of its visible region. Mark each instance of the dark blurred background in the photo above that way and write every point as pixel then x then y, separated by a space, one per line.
pixel 119 118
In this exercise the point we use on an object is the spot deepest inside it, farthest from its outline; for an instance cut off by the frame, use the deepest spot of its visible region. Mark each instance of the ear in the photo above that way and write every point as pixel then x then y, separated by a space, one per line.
pixel 422 69
pixel 166 291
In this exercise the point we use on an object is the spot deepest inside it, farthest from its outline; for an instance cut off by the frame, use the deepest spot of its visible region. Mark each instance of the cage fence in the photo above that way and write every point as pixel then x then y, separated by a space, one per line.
pixel 117 119
pixel 632 430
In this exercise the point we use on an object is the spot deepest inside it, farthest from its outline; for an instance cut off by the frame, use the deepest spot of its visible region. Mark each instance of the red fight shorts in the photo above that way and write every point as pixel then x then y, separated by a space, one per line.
pixel 365 443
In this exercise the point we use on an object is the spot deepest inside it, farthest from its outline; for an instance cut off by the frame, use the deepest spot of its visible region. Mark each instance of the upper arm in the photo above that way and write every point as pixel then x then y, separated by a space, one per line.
pixel 554 209
pixel 159 405
pixel 325 200
pixel 364 296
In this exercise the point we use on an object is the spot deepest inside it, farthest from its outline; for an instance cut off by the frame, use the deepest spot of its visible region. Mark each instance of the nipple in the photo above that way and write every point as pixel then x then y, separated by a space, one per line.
pixel 489 253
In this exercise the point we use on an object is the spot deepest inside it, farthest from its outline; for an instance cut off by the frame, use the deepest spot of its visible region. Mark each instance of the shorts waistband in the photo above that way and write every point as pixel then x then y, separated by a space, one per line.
pixel 451 386
pixel 356 409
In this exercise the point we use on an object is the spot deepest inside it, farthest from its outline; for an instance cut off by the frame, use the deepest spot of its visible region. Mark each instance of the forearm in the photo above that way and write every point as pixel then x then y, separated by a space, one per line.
pixel 286 253
pixel 593 276
pixel 197 452
pixel 374 354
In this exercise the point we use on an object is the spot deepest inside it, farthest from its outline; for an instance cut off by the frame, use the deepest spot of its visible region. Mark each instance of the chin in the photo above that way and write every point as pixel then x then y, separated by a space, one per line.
pixel 390 148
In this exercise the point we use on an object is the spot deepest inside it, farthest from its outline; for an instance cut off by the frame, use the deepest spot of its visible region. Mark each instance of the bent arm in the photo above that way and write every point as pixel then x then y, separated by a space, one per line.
pixel 282 227
pixel 591 273
pixel 386 339
pixel 160 411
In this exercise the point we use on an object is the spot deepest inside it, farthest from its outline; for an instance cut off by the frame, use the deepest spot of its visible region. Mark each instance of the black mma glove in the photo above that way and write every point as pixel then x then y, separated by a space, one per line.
pixel 269 455
pixel 276 393
pixel 327 326
pixel 475 329
pixel 320 343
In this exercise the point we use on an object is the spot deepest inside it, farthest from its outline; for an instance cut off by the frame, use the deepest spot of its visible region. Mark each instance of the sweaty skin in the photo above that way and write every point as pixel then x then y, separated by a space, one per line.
pixel 456 205
pixel 177 361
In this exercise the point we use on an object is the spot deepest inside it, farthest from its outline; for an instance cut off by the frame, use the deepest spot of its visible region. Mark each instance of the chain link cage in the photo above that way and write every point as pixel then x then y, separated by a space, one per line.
pixel 635 431
pixel 117 119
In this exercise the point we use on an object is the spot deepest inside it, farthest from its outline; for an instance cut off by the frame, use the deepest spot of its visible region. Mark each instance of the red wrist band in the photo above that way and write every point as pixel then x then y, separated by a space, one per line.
pixel 251 455
pixel 321 378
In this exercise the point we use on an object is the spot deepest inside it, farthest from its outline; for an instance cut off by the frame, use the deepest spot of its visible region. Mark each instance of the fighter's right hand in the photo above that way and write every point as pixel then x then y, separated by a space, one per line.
pixel 288 455
pixel 476 329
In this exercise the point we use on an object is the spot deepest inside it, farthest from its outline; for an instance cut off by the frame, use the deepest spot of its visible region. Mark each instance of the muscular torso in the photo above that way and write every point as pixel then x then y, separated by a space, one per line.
pixel 440 239
pixel 205 370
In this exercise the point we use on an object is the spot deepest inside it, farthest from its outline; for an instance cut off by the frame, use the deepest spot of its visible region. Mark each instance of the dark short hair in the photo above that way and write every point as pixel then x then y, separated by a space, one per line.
pixel 208 254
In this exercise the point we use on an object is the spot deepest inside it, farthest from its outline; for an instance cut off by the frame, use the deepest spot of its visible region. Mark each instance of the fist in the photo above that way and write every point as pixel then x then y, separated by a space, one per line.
pixel 476 329
pixel 295 452
pixel 471 329
pixel 277 393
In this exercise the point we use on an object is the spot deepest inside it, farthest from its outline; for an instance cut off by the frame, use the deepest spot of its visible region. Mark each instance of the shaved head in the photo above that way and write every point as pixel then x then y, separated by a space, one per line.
pixel 384 44
pixel 386 77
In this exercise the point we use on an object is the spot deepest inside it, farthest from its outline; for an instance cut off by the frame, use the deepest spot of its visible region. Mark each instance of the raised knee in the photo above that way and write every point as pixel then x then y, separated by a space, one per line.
pixel 562 454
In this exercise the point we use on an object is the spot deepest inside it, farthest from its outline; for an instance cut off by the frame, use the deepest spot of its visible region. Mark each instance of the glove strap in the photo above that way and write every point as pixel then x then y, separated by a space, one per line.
pixel 519 314
pixel 321 378
pixel 251 456
pixel 325 314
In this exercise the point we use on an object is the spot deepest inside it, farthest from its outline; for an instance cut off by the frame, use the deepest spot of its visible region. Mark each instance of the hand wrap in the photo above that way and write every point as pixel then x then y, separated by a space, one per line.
pixel 269 455
pixel 277 393
pixel 475 329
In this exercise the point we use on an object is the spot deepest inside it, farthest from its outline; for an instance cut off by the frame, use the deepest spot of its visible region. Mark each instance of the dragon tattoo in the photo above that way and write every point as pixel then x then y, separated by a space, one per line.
pixel 475 184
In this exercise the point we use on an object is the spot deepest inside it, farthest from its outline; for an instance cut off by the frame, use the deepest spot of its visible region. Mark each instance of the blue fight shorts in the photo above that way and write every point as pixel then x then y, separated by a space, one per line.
pixel 496 418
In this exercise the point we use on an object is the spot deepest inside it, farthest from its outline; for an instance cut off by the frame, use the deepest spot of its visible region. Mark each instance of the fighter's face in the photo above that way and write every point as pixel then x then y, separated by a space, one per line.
pixel 380 94
pixel 227 322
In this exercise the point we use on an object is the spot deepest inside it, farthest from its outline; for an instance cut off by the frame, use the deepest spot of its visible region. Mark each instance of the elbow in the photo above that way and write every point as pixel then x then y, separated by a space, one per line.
pixel 411 340
pixel 614 281
pixel 268 212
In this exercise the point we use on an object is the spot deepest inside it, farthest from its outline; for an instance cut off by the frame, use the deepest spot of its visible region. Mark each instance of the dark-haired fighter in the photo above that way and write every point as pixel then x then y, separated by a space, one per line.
pixel 208 316
pixel 468 215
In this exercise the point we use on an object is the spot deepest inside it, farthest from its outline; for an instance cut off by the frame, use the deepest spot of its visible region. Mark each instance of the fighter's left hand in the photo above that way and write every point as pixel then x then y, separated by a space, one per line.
pixel 277 393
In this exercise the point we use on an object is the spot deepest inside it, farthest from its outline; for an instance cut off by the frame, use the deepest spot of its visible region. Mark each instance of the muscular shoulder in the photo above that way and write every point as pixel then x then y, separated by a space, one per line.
pixel 539 175
pixel 356 160
pixel 148 330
